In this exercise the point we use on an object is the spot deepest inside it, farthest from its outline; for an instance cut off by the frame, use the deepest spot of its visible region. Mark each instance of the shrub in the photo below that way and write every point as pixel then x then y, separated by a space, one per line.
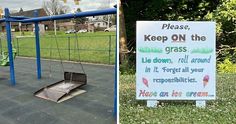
pixel 226 67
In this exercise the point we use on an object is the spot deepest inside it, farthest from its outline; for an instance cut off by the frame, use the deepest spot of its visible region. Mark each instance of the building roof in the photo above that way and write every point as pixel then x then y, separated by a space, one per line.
pixel 30 13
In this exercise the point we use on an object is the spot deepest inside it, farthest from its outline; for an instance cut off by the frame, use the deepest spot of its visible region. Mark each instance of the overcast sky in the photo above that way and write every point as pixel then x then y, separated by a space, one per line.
pixel 32 4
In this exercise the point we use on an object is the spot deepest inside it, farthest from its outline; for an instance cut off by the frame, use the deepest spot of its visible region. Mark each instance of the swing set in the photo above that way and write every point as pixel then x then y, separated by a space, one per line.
pixel 64 89
pixel 72 80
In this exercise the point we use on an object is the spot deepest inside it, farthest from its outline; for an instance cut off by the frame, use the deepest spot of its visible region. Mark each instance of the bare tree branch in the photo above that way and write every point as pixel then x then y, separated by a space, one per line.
pixel 55 7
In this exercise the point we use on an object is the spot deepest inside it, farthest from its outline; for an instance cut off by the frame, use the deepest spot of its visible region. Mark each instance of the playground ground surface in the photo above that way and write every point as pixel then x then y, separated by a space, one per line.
pixel 18 105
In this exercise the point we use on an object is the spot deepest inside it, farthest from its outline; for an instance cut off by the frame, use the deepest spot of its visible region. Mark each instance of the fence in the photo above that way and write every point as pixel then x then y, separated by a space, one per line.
pixel 95 49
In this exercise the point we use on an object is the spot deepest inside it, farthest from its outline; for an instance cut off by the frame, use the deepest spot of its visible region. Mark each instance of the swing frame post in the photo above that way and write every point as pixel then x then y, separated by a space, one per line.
pixel 9 45
pixel 37 43
pixel 116 95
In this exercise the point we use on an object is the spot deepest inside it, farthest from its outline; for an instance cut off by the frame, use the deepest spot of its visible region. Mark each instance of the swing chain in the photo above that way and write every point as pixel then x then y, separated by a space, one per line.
pixel 57 45
pixel 76 45
pixel 77 48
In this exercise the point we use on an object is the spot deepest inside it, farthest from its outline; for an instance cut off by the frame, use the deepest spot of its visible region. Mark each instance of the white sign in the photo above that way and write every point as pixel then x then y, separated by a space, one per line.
pixel 175 60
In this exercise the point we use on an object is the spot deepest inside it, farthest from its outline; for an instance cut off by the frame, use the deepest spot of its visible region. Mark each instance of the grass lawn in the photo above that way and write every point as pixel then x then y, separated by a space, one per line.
pixel 220 111
pixel 98 47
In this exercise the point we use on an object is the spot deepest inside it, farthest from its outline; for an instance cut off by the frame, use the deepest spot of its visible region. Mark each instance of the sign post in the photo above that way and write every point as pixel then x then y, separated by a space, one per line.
pixel 175 61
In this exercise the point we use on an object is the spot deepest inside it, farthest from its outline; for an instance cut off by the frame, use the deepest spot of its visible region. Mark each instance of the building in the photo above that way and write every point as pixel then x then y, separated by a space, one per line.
pixel 63 26
pixel 29 26
pixel 46 25
pixel 99 21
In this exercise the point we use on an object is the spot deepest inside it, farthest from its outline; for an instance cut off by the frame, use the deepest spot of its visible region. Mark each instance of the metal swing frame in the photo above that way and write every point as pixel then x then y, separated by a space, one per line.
pixel 8 19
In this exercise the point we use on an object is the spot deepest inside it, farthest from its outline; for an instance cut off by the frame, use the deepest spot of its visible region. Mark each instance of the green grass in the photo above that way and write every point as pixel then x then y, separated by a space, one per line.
pixel 62 33
pixel 94 47
pixel 220 111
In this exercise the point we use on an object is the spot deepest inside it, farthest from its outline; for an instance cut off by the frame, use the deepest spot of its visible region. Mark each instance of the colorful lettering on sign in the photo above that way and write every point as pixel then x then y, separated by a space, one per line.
pixel 145 93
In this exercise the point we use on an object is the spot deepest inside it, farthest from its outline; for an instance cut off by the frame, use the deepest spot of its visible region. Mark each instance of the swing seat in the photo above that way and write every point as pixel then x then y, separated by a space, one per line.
pixel 4 61
pixel 64 89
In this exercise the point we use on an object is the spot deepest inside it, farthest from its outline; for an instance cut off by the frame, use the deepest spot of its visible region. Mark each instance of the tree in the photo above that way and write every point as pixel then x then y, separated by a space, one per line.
pixel 123 40
pixel 21 10
pixel 189 10
pixel 75 1
pixel 225 16
pixel 106 17
pixel 54 7
pixel 113 19
pixel 80 20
